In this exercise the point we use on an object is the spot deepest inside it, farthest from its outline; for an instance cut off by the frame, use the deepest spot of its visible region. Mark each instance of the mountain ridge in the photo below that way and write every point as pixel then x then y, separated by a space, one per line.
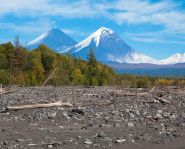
pixel 107 45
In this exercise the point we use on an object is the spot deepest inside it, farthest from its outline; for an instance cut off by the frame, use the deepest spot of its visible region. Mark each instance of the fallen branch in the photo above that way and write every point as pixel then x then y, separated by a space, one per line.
pixel 152 89
pixel 7 91
pixel 146 93
pixel 49 77
pixel 119 93
pixel 163 101
pixel 34 106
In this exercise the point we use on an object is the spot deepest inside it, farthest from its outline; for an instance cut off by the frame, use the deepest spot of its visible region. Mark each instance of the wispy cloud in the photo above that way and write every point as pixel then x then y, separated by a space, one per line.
pixel 146 39
pixel 28 27
pixel 74 32
pixel 156 37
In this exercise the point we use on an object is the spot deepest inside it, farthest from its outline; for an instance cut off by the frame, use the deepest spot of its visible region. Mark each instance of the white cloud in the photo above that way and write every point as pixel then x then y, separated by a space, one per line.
pixel 164 13
pixel 77 9
pixel 138 12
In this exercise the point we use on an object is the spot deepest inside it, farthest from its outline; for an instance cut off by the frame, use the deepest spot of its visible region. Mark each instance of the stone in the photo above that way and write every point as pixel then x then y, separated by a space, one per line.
pixel 159 111
pixel 120 140
pixel 19 140
pixel 50 146
pixel 132 115
pixel 137 112
pixel 159 115
pixel 97 115
pixel 78 111
pixel 166 115
pixel 88 142
pixel 173 117
pixel 116 125
pixel 101 135
pixel 5 143
pixel 130 124
pixel 79 137
pixel 65 114
pixel 52 115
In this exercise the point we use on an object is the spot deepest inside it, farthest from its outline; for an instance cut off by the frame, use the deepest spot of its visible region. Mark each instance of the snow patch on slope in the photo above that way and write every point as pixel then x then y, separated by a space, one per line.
pixel 134 57
pixel 174 59
pixel 95 37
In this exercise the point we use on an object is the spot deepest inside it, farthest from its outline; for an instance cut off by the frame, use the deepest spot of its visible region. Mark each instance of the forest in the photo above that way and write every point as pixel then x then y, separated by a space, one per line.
pixel 20 66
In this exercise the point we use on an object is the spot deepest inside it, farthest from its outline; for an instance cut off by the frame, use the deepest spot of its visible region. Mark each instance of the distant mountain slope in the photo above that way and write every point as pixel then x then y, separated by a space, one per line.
pixel 174 59
pixel 174 70
pixel 54 39
pixel 108 46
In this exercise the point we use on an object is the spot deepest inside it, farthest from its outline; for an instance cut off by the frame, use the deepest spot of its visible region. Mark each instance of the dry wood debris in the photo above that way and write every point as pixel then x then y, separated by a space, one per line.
pixel 33 106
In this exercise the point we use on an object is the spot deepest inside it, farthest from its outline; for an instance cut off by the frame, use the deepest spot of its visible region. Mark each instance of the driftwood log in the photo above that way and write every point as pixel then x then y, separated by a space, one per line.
pixel 34 106
pixel 7 91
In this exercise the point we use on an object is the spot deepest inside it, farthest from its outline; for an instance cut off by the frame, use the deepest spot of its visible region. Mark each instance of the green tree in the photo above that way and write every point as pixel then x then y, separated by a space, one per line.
pixel 48 58
pixel 34 69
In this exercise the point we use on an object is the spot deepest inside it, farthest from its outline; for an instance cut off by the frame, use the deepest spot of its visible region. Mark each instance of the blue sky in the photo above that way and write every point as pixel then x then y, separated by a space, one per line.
pixel 154 27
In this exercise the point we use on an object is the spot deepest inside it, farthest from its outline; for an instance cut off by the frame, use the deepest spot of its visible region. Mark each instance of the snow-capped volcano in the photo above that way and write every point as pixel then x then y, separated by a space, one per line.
pixel 54 39
pixel 108 46
pixel 174 59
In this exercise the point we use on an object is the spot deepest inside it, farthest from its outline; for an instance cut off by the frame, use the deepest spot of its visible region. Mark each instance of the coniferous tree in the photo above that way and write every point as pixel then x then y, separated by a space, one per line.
pixel 91 69
pixel 91 58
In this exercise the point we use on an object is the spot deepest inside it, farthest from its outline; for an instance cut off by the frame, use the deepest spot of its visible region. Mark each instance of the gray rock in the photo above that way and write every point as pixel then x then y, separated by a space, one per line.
pixel 137 112
pixel 5 142
pixel 173 117
pixel 120 140
pixel 101 135
pixel 50 146
pixel 65 114
pixel 88 142
pixel 130 124
pixel 166 115
pixel 159 111
pixel 159 115
pixel 52 114
pixel 132 115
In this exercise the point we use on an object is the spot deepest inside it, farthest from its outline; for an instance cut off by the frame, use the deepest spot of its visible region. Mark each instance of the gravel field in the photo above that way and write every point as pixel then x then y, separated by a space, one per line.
pixel 101 117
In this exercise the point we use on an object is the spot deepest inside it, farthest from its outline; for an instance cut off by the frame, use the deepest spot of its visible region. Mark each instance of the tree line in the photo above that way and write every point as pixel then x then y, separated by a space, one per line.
pixel 19 66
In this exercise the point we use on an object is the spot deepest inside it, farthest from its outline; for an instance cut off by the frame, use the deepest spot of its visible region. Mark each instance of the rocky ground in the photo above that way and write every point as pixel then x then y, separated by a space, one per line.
pixel 101 117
